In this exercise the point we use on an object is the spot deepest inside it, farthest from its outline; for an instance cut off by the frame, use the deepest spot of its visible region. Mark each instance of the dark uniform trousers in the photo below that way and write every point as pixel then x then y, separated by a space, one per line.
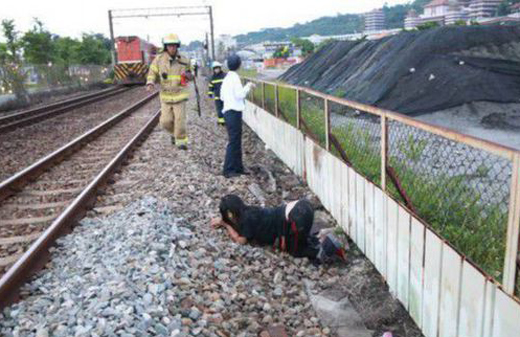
pixel 233 161
pixel 219 105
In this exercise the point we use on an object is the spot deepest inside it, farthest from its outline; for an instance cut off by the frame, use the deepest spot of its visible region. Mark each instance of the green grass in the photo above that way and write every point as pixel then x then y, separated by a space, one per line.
pixel 451 207
pixel 251 73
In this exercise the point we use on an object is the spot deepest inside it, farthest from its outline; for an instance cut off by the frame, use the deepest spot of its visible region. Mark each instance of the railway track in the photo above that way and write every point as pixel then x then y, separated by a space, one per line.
pixel 22 118
pixel 43 201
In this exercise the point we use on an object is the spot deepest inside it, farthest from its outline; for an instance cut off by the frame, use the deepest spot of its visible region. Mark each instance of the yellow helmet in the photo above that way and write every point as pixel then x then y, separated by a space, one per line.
pixel 171 39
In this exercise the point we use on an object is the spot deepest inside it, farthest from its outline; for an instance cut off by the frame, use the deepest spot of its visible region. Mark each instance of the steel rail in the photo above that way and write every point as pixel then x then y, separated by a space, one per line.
pixel 38 253
pixel 11 185
pixel 23 118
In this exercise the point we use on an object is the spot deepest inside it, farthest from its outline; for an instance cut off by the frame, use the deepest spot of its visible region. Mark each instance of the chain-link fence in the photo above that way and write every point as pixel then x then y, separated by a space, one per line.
pixel 287 105
pixel 42 77
pixel 355 136
pixel 269 98
pixel 313 117
pixel 255 95
pixel 461 191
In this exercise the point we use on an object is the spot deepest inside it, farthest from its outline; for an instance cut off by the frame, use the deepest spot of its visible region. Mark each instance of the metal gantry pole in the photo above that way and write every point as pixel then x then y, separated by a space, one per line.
pixel 112 41
pixel 212 32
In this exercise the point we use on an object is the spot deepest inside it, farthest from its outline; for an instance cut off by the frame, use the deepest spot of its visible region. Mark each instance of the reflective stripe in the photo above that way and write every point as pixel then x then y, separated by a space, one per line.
pixel 217 81
pixel 174 77
pixel 210 92
pixel 211 85
pixel 216 98
pixel 182 141
pixel 174 97
pixel 221 120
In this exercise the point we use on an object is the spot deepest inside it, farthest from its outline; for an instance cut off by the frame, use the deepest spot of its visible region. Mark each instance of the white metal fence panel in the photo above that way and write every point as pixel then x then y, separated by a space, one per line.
pixel 472 297
pixel 416 270
pixel 445 294
pixel 403 256
pixel 450 289
pixel 432 284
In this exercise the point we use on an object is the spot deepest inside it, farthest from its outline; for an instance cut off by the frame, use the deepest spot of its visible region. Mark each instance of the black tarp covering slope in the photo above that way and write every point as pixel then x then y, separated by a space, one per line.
pixel 419 72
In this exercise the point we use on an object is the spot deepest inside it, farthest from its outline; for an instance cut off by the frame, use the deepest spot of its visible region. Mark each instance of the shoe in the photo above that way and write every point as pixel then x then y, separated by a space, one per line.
pixel 173 140
pixel 331 248
pixel 231 175
pixel 183 147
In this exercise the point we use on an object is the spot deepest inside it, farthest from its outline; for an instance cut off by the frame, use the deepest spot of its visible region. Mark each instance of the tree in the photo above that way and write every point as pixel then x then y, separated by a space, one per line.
pixel 324 43
pixel 38 45
pixel 94 49
pixel 11 62
pixel 395 15
pixel 428 25
pixel 282 52
pixel 505 7
pixel 66 50
pixel 306 46
pixel 460 23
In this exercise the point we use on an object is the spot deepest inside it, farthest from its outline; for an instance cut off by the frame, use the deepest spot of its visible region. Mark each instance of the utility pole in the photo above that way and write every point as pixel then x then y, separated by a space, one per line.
pixel 112 41
pixel 207 47
pixel 212 32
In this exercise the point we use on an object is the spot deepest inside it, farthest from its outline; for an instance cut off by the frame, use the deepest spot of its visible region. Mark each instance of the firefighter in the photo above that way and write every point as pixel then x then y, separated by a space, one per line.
pixel 214 90
pixel 173 71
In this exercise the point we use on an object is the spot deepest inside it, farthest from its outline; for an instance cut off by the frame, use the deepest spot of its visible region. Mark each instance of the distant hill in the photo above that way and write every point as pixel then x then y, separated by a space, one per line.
pixel 330 25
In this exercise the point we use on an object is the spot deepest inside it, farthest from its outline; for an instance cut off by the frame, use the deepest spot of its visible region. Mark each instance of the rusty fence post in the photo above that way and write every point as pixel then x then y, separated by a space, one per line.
pixel 263 95
pixel 276 112
pixel 384 149
pixel 298 110
pixel 327 123
pixel 513 230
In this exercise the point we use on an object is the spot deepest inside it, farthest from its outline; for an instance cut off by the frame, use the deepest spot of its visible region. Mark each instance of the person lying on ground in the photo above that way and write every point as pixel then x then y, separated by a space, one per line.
pixel 286 227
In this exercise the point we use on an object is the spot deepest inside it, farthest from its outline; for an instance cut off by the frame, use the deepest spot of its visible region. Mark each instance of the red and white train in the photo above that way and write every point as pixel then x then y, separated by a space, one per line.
pixel 134 56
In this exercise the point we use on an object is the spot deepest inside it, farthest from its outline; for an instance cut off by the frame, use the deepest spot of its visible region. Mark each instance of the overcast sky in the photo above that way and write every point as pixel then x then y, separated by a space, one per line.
pixel 71 17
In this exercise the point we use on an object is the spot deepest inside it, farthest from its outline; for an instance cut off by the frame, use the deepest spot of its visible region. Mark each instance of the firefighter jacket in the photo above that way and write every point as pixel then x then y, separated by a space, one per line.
pixel 168 71
pixel 214 85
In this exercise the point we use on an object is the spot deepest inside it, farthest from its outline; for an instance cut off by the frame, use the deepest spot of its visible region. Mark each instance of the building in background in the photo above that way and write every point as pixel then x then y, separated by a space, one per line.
pixel 412 20
pixel 449 12
pixel 481 9
pixel 224 45
pixel 375 20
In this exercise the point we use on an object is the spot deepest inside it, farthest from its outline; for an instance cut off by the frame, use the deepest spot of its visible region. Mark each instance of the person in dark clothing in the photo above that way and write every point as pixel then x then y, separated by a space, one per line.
pixel 214 90
pixel 233 93
pixel 286 227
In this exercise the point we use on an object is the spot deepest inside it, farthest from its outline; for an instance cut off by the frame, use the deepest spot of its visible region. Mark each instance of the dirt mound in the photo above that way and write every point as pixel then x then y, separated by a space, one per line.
pixel 502 121
pixel 419 72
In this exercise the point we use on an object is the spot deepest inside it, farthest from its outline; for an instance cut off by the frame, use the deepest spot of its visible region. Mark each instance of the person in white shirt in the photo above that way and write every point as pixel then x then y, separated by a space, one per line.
pixel 233 93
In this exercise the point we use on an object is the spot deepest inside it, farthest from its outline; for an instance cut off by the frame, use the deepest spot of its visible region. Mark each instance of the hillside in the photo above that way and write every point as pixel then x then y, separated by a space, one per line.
pixel 419 72
pixel 330 25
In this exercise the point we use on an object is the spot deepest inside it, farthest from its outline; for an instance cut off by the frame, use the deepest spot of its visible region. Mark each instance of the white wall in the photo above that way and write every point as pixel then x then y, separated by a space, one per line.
pixel 444 294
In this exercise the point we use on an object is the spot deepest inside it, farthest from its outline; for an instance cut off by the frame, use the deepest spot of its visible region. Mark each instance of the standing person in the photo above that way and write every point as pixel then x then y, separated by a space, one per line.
pixel 215 84
pixel 233 93
pixel 173 71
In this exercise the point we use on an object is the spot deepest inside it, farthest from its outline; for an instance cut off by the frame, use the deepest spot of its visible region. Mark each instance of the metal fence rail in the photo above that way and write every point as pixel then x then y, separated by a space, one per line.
pixel 464 188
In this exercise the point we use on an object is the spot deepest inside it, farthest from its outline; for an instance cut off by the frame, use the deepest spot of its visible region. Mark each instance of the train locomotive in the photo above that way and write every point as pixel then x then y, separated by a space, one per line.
pixel 134 56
